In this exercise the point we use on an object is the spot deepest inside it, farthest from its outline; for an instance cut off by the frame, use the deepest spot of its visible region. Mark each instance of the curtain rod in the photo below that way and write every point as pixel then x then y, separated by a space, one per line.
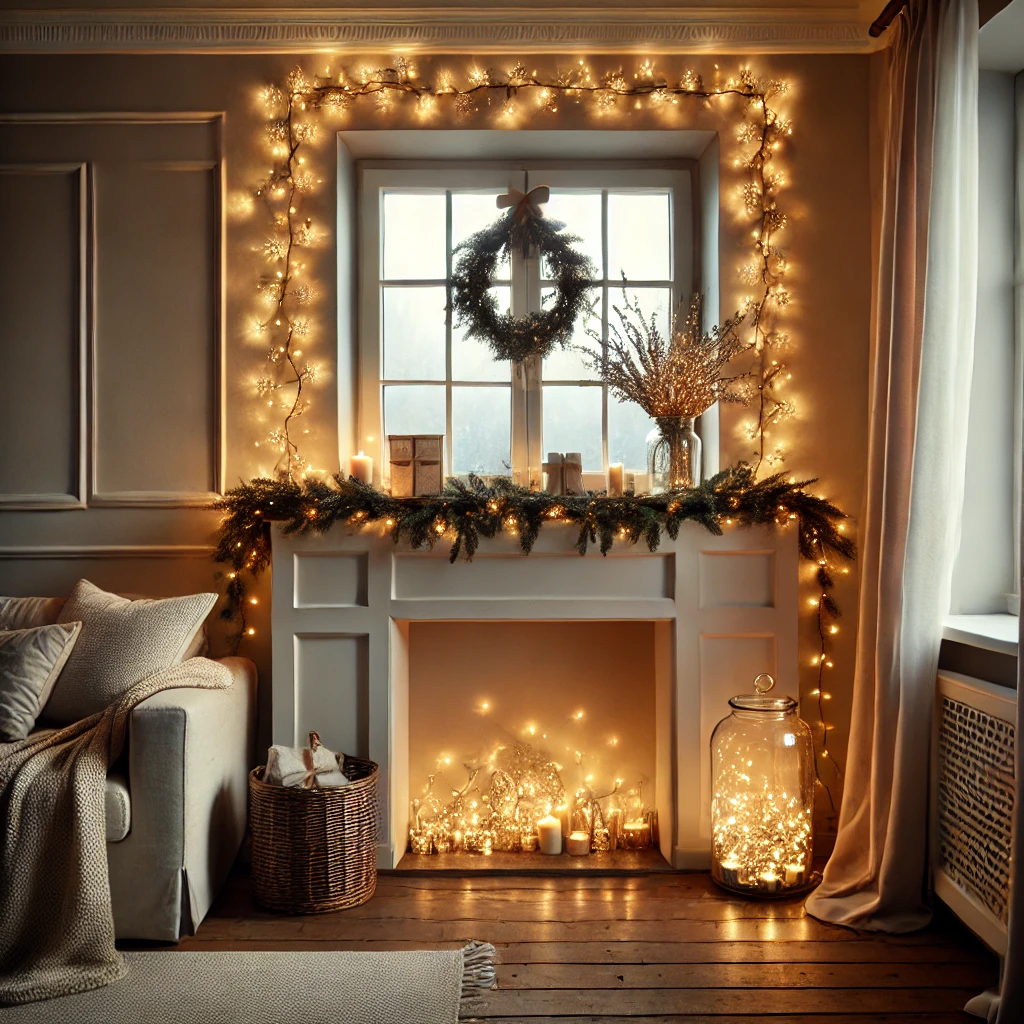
pixel 886 18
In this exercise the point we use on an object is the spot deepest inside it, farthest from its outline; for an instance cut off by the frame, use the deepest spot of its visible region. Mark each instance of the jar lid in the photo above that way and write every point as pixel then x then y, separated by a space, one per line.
pixel 760 701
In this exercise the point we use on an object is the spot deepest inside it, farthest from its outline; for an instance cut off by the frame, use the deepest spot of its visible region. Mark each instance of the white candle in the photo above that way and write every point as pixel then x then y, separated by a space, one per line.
pixel 578 844
pixel 731 872
pixel 615 471
pixel 794 874
pixel 361 467
pixel 549 835
pixel 769 881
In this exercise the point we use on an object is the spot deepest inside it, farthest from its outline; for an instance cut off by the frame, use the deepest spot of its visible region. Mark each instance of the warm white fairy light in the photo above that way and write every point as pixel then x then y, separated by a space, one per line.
pixel 513 787
pixel 761 840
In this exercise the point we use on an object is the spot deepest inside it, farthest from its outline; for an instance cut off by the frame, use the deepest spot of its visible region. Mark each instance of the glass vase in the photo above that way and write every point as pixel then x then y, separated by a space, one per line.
pixel 762 796
pixel 673 455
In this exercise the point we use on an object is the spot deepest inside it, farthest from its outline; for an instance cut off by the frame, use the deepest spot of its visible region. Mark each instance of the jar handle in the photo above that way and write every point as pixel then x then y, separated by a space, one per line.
pixel 763 682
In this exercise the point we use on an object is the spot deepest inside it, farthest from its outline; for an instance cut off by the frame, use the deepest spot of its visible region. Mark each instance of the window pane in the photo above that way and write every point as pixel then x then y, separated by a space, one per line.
pixel 472 359
pixel 628 427
pixel 581 214
pixel 572 422
pixel 413 409
pixel 414 333
pixel 639 236
pixel 565 364
pixel 482 430
pixel 414 236
pixel 471 212
pixel 651 301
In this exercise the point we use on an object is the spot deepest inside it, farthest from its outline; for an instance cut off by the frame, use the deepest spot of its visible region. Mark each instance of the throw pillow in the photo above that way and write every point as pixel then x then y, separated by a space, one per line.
pixel 26 612
pixel 30 661
pixel 122 643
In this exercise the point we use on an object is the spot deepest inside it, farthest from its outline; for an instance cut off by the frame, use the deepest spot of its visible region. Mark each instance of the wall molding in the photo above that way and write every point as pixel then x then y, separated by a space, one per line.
pixel 748 29
pixel 90 551
pixel 78 499
pixel 88 492
pixel 97 498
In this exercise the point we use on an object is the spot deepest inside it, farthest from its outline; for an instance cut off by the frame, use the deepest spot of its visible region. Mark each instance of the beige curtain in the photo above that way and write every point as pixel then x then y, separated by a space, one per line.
pixel 923 353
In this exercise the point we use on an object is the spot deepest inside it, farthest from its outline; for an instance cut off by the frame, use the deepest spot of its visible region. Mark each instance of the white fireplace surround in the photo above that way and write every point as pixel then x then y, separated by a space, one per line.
pixel 725 609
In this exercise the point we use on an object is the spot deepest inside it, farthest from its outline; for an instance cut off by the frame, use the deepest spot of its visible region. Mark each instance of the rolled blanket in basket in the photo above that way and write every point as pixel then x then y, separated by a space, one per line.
pixel 304 766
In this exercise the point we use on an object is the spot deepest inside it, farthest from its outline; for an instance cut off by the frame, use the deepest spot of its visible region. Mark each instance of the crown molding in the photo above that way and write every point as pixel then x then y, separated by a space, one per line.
pixel 751 29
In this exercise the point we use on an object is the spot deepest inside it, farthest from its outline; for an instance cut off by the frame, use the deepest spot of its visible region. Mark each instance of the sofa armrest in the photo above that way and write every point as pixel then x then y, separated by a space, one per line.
pixel 189 752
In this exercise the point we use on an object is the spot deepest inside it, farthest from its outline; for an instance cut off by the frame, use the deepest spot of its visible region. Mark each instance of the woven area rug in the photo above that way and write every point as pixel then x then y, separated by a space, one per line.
pixel 167 987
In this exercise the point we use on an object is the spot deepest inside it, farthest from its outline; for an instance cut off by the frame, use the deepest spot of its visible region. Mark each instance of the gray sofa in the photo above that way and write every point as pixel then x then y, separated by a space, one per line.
pixel 177 805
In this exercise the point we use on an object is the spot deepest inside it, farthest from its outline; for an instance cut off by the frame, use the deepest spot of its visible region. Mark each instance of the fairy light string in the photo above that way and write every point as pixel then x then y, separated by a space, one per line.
pixel 507 96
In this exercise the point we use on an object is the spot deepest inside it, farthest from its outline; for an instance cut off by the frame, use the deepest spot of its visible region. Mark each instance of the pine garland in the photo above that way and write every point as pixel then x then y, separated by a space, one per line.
pixel 466 512
pixel 475 307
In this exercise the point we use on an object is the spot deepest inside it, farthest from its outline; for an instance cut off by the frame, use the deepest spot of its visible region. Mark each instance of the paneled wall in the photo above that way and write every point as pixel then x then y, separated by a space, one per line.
pixel 116 237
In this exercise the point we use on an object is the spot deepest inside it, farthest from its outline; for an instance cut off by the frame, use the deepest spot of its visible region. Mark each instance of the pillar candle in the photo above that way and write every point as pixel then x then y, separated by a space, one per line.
pixel 549 835
pixel 615 470
pixel 614 820
pixel 578 844
pixel 563 814
pixel 794 874
pixel 361 467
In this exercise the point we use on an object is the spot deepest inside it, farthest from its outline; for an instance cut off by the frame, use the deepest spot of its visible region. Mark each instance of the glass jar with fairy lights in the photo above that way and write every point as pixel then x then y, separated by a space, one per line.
pixel 762 786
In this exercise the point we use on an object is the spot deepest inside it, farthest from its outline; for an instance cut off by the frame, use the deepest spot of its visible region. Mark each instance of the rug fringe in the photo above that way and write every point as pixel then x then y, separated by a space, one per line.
pixel 479 975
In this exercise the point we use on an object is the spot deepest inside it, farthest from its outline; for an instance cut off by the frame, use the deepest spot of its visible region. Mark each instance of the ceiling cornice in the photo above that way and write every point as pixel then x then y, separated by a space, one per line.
pixel 753 29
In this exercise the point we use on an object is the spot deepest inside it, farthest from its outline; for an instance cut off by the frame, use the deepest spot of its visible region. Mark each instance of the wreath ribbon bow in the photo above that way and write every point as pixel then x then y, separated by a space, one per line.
pixel 527 205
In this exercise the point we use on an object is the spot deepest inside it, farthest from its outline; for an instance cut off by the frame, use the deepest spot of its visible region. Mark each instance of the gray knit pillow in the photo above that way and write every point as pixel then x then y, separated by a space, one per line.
pixel 30 662
pixel 122 643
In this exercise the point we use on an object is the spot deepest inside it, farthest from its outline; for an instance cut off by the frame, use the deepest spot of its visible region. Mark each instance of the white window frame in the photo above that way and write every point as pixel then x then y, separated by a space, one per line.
pixel 377 177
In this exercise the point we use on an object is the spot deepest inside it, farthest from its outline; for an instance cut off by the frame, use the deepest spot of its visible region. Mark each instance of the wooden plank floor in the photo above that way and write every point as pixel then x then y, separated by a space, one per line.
pixel 663 947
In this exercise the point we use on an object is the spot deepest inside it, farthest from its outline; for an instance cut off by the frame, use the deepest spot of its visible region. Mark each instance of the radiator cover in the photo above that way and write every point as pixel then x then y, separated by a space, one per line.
pixel 973 801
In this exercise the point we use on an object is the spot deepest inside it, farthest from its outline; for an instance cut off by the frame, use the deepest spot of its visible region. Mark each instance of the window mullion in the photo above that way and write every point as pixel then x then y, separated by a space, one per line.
pixel 448 335
pixel 604 323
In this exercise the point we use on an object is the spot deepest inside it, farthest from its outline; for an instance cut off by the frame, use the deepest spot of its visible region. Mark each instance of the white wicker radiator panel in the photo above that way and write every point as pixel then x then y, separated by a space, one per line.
pixel 975 802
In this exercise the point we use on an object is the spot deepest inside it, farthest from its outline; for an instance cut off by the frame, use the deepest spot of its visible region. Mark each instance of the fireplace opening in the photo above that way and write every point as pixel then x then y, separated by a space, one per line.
pixel 526 737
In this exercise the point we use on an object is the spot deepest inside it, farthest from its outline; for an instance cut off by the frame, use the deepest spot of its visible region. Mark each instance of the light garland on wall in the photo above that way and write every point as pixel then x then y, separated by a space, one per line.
pixel 507 96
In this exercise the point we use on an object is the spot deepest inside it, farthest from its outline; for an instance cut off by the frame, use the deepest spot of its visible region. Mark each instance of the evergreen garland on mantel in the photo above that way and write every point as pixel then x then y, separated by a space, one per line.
pixel 464 513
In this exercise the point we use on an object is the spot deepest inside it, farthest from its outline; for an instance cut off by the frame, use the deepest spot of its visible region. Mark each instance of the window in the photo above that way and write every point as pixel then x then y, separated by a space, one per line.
pixel 420 373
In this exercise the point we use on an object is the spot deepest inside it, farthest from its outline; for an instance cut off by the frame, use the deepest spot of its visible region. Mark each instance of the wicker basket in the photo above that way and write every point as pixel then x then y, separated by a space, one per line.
pixel 314 850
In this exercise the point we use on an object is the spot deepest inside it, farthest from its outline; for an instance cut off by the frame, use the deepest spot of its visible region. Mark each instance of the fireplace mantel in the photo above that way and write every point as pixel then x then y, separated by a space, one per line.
pixel 725 609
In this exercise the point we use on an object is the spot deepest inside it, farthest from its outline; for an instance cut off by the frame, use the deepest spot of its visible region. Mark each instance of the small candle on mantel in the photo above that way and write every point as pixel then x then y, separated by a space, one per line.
pixel 615 476
pixel 549 835
pixel 361 468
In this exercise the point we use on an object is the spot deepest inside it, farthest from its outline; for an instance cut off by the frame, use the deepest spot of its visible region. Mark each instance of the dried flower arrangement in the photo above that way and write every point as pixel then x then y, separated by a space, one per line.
pixel 681 375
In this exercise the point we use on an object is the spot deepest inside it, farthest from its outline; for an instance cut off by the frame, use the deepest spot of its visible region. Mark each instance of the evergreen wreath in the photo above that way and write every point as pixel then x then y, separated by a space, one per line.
pixel 476 309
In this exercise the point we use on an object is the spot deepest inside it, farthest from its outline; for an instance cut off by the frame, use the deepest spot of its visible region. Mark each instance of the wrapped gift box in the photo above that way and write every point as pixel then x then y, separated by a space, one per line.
pixel 416 464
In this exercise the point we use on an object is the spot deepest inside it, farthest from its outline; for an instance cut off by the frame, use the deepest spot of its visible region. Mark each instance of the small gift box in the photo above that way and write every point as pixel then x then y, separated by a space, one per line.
pixel 416 464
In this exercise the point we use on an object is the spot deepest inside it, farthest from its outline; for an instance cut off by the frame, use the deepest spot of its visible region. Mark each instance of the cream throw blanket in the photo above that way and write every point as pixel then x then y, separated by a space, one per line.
pixel 56 925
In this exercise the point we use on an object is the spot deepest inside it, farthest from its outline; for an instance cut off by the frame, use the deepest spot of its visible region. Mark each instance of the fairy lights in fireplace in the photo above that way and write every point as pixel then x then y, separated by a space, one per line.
pixel 508 796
